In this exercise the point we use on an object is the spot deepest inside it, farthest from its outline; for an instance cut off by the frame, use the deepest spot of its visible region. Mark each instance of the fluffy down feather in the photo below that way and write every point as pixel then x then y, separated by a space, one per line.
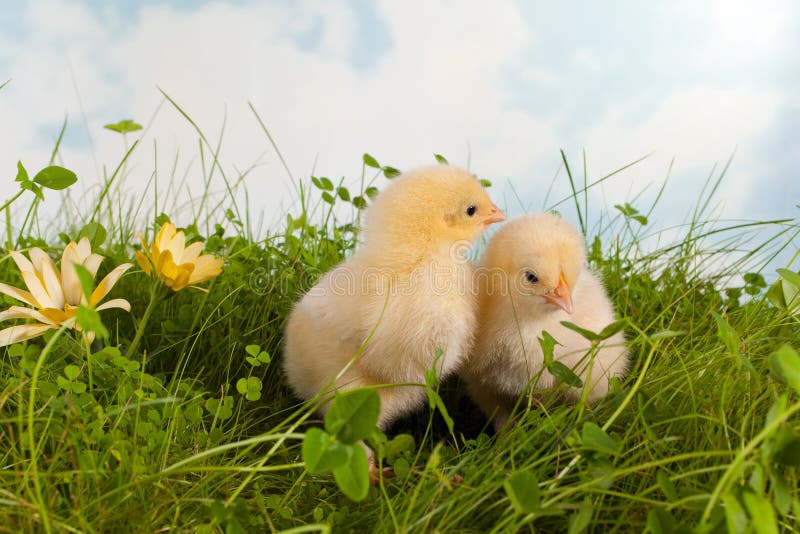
pixel 381 316
pixel 532 277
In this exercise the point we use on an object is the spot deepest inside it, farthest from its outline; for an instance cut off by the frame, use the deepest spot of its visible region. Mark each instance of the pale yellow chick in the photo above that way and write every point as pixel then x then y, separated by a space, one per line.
pixel 404 295
pixel 533 276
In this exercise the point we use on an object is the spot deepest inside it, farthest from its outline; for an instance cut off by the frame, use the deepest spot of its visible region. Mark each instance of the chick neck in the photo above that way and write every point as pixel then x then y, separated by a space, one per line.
pixel 404 254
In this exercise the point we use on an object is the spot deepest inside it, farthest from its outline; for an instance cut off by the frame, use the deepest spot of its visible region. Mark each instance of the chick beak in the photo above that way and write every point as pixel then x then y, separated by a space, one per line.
pixel 495 215
pixel 562 295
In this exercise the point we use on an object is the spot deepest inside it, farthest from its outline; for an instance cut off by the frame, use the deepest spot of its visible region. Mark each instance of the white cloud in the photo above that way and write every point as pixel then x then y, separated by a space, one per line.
pixel 437 89
pixel 697 127
pixel 441 86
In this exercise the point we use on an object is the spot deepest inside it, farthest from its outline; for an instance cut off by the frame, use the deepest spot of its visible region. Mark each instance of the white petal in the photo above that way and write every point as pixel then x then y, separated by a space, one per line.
pixel 68 257
pixel 115 303
pixel 15 334
pixel 52 283
pixel 37 289
pixel 23 263
pixel 18 312
pixel 19 294
pixel 38 257
pixel 70 282
pixel 84 248
pixel 92 263
pixel 107 283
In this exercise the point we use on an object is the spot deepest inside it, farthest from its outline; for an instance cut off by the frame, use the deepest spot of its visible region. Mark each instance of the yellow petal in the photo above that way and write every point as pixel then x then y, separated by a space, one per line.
pixel 15 334
pixel 165 235
pixel 206 268
pixel 204 290
pixel 176 246
pixel 165 263
pixel 56 316
pixel 107 283
pixel 143 262
pixel 52 282
pixel 155 252
pixel 115 303
pixel 191 252
pixel 182 280
pixel 19 312
pixel 142 241
pixel 19 294
pixel 37 289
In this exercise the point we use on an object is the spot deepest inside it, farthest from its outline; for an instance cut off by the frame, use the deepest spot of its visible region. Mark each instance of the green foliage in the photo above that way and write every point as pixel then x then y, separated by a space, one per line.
pixel 124 126
pixel 522 489
pixel 198 431
pixel 95 232
pixel 51 177
pixel 55 177
pixel 560 371
pixel 785 365
pixel 631 213
pixel 352 417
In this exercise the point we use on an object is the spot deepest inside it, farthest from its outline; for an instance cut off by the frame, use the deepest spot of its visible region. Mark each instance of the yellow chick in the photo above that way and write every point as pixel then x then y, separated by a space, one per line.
pixel 381 316
pixel 532 277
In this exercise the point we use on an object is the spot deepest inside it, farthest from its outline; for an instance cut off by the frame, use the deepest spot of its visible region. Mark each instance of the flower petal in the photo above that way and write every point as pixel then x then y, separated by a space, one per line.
pixel 23 263
pixel 20 312
pixel 144 263
pixel 176 246
pixel 52 282
pixel 165 235
pixel 182 280
pixel 37 289
pixel 191 252
pixel 15 334
pixel 115 303
pixel 107 283
pixel 142 241
pixel 39 257
pixel 69 280
pixel 19 294
pixel 84 248
pixel 204 290
pixel 57 316
pixel 92 263
pixel 68 257
pixel 165 263
pixel 206 268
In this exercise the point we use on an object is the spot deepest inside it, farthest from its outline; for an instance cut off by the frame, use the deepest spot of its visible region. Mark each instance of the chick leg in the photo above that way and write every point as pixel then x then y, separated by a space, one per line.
pixel 395 401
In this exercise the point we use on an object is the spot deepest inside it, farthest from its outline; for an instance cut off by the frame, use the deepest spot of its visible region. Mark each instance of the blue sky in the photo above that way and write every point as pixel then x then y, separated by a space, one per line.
pixel 498 87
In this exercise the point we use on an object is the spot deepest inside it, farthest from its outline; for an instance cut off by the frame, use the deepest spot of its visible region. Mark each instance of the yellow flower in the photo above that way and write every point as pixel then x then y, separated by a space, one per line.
pixel 54 296
pixel 176 265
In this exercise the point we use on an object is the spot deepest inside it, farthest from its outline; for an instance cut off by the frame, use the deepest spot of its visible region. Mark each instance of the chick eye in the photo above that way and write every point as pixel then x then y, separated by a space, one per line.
pixel 471 211
pixel 530 277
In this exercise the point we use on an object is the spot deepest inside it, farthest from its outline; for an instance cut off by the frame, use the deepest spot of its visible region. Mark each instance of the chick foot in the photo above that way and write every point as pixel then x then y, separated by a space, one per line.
pixel 375 474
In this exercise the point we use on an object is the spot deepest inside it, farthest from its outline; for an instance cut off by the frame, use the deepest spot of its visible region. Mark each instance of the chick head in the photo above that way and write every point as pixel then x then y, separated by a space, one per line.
pixel 432 206
pixel 538 258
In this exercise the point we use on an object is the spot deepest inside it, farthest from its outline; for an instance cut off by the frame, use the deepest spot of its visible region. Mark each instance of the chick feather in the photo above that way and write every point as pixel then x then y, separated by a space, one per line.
pixel 532 277
pixel 382 316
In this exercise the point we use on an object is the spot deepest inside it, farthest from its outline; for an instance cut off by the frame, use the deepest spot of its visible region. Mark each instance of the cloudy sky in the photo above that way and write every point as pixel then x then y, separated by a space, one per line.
pixel 499 87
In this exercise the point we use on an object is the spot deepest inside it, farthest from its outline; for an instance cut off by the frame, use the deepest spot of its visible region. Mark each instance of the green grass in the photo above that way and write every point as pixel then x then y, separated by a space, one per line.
pixel 702 434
